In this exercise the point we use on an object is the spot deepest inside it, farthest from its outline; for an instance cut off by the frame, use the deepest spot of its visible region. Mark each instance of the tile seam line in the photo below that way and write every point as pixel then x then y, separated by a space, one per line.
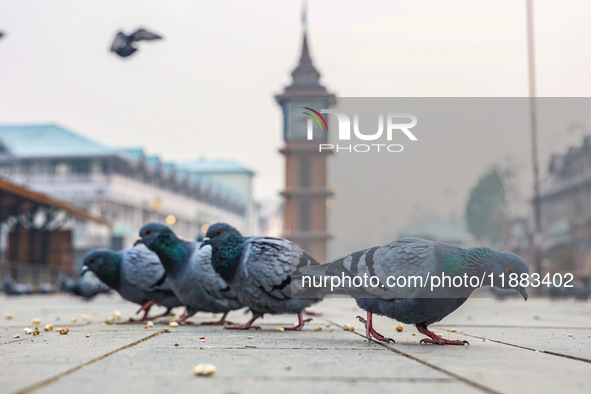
pixel 55 378
pixel 529 348
pixel 428 364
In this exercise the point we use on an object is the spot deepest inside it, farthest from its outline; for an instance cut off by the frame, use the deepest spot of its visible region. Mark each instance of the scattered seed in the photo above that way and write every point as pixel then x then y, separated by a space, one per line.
pixel 204 370
pixel 280 329
pixel 327 325
pixel 399 327
pixel 318 328
pixel 63 330
pixel 571 335
pixel 48 327
pixel 173 324
pixel 250 337
pixel 9 316
pixel 87 335
pixel 150 323
pixel 28 330
pixel 203 340
pixel 414 334
pixel 36 321
pixel 452 330
pixel 167 330
pixel 85 317
pixel 349 328
pixel 74 320
pixel 17 336
pixel 36 331
pixel 202 337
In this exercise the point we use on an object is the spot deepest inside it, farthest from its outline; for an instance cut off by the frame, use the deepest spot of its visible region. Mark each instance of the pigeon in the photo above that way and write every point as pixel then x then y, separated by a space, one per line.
pixel 124 45
pixel 46 288
pixel 419 305
pixel 12 287
pixel 86 286
pixel 190 273
pixel 259 270
pixel 136 274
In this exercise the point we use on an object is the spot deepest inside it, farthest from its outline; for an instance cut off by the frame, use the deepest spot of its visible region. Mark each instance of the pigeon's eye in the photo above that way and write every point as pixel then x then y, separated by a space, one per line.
pixel 219 232
pixel 510 271
pixel 148 232
pixel 91 261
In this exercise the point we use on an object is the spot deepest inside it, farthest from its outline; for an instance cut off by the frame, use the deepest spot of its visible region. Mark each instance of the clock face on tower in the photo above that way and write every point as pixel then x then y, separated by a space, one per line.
pixel 297 123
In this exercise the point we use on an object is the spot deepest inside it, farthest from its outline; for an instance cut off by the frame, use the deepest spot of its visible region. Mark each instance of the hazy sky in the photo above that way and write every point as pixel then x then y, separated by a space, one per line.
pixel 207 89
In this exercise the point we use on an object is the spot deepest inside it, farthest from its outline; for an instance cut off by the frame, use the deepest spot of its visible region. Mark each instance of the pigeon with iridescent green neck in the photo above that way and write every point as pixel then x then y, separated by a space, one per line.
pixel 190 273
pixel 259 271
pixel 136 274
pixel 416 301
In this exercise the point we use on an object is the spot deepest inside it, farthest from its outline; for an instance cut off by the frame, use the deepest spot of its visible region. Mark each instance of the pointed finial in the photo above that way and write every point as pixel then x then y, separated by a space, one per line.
pixel 305 15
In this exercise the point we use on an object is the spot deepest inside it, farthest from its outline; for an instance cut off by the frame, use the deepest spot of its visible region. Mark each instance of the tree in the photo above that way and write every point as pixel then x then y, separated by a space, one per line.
pixel 486 207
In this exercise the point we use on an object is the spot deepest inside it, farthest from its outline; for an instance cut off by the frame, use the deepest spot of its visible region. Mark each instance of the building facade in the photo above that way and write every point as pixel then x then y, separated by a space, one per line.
pixel 566 211
pixel 126 187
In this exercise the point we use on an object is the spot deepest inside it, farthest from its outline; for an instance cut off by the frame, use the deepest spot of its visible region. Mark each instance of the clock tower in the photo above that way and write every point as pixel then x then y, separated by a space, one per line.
pixel 306 195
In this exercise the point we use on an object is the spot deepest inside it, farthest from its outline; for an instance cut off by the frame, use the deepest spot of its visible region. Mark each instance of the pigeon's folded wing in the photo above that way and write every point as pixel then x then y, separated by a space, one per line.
pixel 144 270
pixel 269 261
pixel 211 282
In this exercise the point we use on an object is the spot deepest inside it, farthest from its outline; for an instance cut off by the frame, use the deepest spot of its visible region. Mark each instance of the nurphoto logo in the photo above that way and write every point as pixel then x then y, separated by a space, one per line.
pixel 395 123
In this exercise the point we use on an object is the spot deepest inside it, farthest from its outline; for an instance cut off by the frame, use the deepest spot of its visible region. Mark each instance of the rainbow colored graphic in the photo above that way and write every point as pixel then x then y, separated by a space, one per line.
pixel 316 117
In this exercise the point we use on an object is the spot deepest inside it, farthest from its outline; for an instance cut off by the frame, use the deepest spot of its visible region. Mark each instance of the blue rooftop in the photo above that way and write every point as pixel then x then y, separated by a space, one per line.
pixel 215 166
pixel 48 141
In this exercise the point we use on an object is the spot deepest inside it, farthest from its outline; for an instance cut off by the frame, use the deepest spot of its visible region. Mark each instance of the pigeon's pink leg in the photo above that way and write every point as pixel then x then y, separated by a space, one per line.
pixel 369 330
pixel 312 313
pixel 300 325
pixel 437 339
pixel 181 319
pixel 245 326
pixel 146 308
pixel 220 322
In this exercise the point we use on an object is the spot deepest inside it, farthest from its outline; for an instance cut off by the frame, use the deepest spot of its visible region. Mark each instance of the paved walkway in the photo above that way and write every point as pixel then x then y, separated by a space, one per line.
pixel 516 347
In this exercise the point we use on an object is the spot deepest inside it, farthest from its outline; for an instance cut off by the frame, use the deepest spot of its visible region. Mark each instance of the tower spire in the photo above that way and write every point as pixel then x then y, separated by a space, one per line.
pixel 305 51
pixel 306 79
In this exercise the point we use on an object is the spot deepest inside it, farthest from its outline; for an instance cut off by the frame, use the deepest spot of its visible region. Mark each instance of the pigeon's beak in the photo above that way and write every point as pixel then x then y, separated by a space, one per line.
pixel 139 242
pixel 522 291
pixel 84 269
pixel 206 241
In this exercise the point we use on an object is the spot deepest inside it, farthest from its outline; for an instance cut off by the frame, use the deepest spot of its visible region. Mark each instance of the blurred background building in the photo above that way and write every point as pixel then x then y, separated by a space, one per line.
pixel 566 211
pixel 123 187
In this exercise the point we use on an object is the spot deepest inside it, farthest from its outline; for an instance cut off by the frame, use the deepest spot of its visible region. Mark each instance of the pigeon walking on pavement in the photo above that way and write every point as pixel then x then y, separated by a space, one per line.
pixel 12 287
pixel 136 274
pixel 87 285
pixel 190 273
pixel 258 270
pixel 419 305
pixel 124 45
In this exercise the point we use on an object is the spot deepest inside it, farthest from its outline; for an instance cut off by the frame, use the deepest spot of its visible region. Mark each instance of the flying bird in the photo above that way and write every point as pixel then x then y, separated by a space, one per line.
pixel 258 270
pixel 136 274
pixel 124 45
pixel 419 305
pixel 190 273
